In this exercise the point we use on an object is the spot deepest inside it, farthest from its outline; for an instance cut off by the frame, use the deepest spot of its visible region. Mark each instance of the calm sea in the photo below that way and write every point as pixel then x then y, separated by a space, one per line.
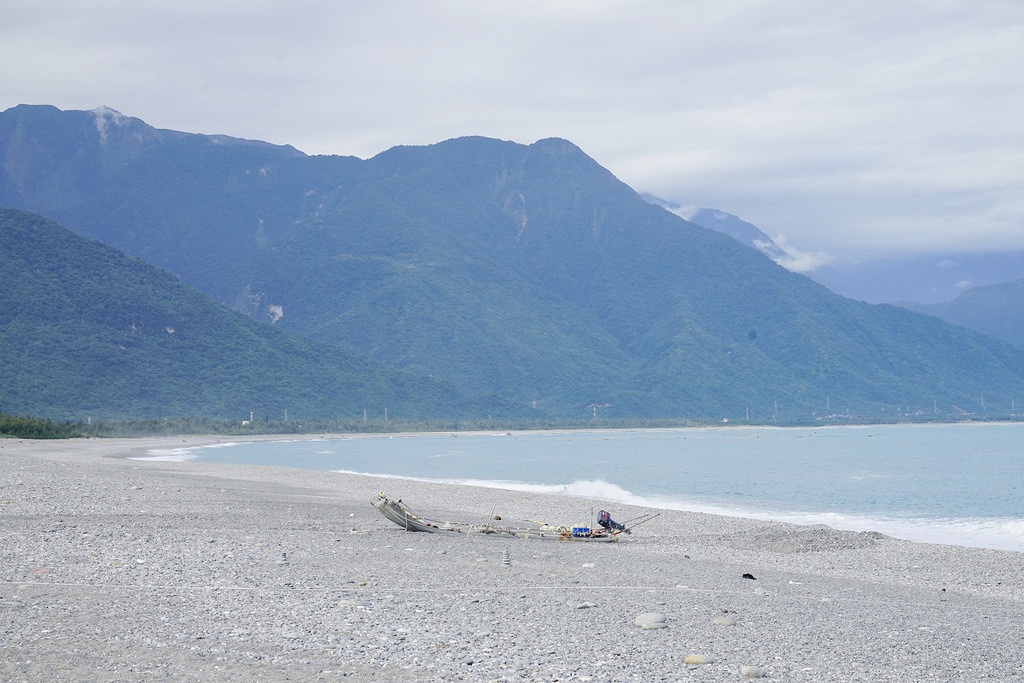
pixel 960 484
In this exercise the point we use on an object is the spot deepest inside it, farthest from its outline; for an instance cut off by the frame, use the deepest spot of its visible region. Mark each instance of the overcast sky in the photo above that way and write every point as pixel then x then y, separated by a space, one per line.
pixel 840 128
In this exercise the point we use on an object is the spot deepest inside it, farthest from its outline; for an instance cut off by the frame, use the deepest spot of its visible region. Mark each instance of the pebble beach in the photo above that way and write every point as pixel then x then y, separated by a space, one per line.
pixel 114 568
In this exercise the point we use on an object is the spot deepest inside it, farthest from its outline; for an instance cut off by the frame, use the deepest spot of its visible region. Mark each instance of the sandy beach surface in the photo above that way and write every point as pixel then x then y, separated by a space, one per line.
pixel 117 569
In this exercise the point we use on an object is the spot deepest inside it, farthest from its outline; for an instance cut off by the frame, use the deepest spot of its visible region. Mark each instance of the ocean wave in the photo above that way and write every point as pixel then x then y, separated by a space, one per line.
pixel 167 455
pixel 182 454
pixel 599 489
pixel 993 533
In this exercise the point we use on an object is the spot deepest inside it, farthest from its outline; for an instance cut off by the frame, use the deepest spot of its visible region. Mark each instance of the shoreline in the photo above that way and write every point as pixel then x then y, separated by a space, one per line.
pixel 122 569
pixel 996 533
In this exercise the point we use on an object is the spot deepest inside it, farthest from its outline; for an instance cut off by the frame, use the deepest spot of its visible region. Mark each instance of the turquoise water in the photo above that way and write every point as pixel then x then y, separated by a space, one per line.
pixel 961 484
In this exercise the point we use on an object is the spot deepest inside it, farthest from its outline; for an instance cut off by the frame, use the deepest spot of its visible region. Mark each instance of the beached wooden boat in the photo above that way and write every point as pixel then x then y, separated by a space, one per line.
pixel 607 532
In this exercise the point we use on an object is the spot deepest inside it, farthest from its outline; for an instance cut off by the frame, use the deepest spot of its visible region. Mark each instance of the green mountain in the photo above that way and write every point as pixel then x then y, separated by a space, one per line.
pixel 86 331
pixel 526 271
pixel 54 159
pixel 995 309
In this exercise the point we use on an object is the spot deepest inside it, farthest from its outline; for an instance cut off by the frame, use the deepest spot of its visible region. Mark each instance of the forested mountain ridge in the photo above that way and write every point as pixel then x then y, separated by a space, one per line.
pixel 86 331
pixel 52 159
pixel 531 272
pixel 996 309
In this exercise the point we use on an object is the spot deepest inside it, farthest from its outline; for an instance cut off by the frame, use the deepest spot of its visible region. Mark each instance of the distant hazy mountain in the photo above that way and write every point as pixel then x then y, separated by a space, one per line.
pixel 526 271
pixel 995 309
pixel 925 278
pixel 726 223
pixel 86 331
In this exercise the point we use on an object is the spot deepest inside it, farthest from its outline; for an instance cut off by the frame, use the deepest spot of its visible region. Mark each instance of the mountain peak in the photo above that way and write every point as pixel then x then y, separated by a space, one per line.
pixel 107 118
pixel 559 144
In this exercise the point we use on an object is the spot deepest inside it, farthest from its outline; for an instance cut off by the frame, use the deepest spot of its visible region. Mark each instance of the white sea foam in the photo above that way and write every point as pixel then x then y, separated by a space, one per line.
pixel 183 454
pixel 1000 533
pixel 448 454
pixel 168 455
pixel 995 533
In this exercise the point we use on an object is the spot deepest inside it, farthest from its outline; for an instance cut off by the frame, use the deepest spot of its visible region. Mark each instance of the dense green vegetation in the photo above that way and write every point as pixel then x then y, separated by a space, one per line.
pixel 526 272
pixel 14 426
pixel 38 428
pixel 531 272
pixel 87 332
pixel 995 309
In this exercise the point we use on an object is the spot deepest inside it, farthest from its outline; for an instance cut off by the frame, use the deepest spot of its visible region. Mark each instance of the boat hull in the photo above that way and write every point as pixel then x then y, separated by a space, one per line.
pixel 395 511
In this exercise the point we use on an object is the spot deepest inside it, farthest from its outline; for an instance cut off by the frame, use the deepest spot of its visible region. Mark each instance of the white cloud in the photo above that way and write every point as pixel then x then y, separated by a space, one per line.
pixel 796 260
pixel 686 212
pixel 883 125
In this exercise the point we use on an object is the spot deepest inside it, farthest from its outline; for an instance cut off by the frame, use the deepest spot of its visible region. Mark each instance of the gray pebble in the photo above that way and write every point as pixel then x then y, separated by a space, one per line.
pixel 651 620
